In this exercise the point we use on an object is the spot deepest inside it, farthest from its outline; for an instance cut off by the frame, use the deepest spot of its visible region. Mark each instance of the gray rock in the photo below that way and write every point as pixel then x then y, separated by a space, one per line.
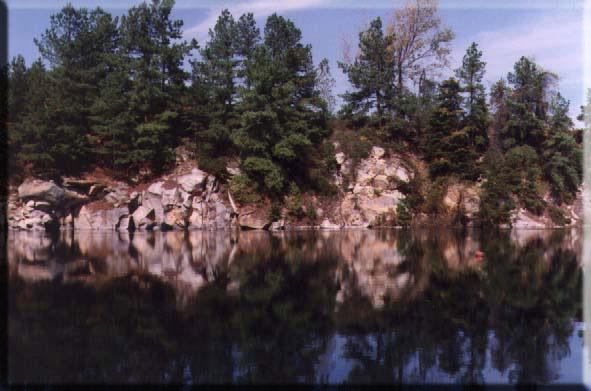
pixel 97 219
pixel 253 222
pixel 192 182
pixel 326 224
pixel 377 152
pixel 144 217
pixel 39 190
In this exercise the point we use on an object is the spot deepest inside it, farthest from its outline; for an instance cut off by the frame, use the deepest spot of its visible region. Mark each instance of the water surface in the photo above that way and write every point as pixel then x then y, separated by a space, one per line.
pixel 353 306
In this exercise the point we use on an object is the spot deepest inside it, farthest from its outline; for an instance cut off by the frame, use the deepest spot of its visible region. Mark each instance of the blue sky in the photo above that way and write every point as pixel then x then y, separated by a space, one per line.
pixel 550 31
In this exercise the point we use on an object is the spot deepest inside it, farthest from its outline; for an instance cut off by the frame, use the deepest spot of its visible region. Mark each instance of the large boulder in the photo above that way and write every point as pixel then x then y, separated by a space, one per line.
pixel 326 224
pixel 175 219
pixel 193 181
pixel 39 190
pixel 99 216
pixel 144 217
pixel 154 203
pixel 253 218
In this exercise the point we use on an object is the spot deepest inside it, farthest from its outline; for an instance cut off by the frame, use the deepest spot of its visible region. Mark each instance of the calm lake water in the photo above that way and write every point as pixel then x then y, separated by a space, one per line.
pixel 353 306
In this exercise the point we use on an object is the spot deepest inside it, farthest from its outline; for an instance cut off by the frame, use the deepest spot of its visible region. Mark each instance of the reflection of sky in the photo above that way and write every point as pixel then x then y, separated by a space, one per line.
pixel 551 34
pixel 334 367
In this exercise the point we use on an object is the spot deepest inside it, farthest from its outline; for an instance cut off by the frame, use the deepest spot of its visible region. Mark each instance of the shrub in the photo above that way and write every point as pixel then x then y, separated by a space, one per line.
pixel 293 202
pixel 244 190
pixel 275 213
pixel 413 195
pixel 311 211
pixel 434 197
pixel 403 215
pixel 557 215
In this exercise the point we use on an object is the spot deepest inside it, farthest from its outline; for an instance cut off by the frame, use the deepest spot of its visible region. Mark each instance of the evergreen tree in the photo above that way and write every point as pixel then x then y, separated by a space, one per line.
pixel 283 118
pixel 447 144
pixel 527 104
pixel 248 36
pixel 154 57
pixel 214 85
pixel 562 156
pixel 500 113
pixel 32 137
pixel 470 76
pixel 370 74
pixel 73 45
pixel 17 86
pixel 326 83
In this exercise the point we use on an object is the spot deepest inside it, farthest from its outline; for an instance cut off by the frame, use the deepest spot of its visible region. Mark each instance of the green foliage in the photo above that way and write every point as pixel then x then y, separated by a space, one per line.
pixel 310 211
pixel 371 74
pixel 403 213
pixel 509 179
pixel 475 120
pixel 293 201
pixel 557 215
pixel 244 190
pixel 448 146
pixel 527 104
pixel 522 174
pixel 434 197
pixel 562 155
pixel 413 194
pixel 275 212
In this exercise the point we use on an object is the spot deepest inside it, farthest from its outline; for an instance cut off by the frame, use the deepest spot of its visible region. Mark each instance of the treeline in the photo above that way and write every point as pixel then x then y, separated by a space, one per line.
pixel 519 142
pixel 123 92
pixel 116 94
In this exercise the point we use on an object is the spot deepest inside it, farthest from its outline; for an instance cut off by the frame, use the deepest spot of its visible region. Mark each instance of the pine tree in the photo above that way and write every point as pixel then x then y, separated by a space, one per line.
pixel 154 56
pixel 527 104
pixel 33 138
pixel 74 46
pixel 447 144
pixel 17 85
pixel 470 76
pixel 214 89
pixel 370 74
pixel 562 155
pixel 283 118
pixel 247 37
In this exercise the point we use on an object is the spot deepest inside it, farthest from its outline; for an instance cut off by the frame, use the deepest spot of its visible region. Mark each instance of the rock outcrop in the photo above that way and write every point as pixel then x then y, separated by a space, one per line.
pixel 189 198
pixel 373 192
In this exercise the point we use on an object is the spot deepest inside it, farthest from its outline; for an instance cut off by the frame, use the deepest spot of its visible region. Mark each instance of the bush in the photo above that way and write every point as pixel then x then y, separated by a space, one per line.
pixel 403 215
pixel 413 195
pixel 244 190
pixel 434 197
pixel 293 202
pixel 215 166
pixel 311 211
pixel 275 213
pixel 557 215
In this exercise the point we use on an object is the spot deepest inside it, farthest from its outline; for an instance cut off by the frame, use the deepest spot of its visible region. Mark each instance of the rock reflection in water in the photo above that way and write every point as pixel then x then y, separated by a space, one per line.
pixel 358 306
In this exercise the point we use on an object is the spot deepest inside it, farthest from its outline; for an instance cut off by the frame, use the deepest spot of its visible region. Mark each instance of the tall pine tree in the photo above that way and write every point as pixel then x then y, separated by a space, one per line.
pixel 470 76
pixel 371 75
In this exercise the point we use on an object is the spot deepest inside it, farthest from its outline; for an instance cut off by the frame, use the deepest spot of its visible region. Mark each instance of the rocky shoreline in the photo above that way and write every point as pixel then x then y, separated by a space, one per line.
pixel 191 199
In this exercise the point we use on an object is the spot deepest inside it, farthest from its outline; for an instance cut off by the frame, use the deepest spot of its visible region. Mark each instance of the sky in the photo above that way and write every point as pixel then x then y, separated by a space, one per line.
pixel 550 31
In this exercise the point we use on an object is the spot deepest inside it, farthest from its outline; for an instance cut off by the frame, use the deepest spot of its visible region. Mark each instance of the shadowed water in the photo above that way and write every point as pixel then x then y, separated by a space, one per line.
pixel 354 306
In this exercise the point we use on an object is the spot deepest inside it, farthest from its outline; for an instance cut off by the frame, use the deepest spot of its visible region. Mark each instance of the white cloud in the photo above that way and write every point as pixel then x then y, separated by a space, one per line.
pixel 260 8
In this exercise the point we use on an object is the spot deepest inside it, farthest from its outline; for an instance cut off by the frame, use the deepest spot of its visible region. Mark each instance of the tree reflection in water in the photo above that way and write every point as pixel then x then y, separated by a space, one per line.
pixel 355 306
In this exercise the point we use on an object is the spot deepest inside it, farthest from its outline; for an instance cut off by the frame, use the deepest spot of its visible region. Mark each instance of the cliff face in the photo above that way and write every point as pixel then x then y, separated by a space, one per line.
pixel 189 198
pixel 186 198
